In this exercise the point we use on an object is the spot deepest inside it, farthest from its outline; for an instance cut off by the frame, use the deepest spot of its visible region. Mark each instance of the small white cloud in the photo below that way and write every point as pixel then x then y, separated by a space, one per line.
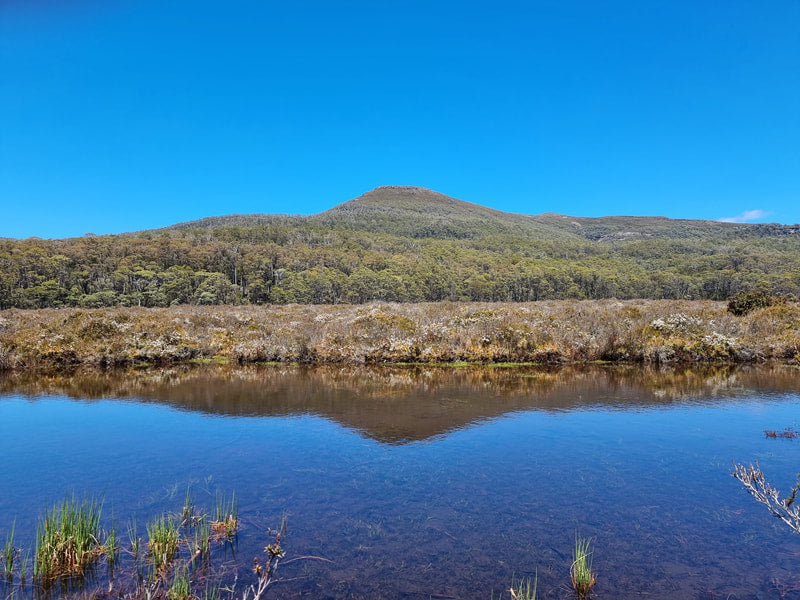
pixel 746 216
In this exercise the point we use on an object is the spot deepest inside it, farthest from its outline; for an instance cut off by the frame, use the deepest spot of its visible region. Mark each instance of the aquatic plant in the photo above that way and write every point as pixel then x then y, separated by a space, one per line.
pixel 111 547
pixel 133 537
pixel 188 516
pixel 786 510
pixel 522 590
pixel 581 574
pixel 787 433
pixel 211 592
pixel 226 519
pixel 8 552
pixel 180 588
pixel 23 568
pixel 163 541
pixel 202 539
pixel 67 539
pixel 266 572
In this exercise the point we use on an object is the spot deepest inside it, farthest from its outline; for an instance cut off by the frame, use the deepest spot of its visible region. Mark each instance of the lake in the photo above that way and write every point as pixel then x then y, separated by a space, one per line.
pixel 426 482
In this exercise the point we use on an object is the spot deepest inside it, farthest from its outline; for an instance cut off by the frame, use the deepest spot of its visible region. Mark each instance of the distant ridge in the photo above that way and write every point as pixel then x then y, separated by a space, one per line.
pixel 419 212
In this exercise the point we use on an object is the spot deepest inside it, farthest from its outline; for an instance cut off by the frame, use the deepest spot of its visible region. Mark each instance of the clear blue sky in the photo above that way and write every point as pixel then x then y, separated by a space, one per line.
pixel 119 115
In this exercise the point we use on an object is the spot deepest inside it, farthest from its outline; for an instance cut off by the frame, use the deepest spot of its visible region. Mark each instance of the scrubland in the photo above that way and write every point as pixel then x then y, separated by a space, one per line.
pixel 548 332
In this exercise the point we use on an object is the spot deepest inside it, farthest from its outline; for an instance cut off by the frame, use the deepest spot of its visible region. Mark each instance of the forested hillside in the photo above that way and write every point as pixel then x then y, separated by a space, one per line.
pixel 402 244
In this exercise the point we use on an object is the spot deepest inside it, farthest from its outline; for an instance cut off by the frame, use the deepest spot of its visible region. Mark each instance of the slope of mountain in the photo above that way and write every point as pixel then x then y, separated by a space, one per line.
pixel 422 213
pixel 417 212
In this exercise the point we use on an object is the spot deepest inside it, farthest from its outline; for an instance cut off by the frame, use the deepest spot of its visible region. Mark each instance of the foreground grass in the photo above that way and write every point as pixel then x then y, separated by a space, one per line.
pixel 68 539
pixel 70 551
pixel 665 331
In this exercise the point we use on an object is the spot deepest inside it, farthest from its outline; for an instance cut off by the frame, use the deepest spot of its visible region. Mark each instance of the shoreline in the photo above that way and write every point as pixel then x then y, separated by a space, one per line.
pixel 455 334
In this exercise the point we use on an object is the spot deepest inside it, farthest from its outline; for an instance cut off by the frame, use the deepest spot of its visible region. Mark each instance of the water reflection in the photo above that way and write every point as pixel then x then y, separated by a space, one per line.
pixel 397 405
pixel 514 463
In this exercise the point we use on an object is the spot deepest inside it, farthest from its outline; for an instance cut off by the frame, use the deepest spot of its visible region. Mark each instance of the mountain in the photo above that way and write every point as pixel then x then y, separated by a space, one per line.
pixel 402 244
pixel 418 212
pixel 422 213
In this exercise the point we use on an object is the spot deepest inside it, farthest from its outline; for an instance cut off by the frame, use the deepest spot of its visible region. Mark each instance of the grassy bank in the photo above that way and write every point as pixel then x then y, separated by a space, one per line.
pixel 652 331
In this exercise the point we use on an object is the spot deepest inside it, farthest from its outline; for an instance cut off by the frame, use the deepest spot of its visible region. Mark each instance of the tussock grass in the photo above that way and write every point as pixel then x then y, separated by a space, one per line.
pixel 226 518
pixel 582 576
pixel 70 544
pixel 7 553
pixel 181 586
pixel 163 541
pixel 68 539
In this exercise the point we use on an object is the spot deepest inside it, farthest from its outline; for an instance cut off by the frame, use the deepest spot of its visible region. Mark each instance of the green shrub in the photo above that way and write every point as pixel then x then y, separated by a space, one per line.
pixel 745 302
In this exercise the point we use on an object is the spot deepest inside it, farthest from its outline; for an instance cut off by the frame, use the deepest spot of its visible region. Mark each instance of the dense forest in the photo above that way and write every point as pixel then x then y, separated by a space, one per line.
pixel 402 244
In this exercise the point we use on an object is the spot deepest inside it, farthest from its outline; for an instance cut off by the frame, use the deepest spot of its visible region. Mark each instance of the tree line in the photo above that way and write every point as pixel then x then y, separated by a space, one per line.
pixel 293 262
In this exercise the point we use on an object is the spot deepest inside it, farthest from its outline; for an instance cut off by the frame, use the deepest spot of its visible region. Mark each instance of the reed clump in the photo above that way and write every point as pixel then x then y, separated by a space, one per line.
pixel 581 574
pixel 226 519
pixel 523 590
pixel 70 546
pixel 163 541
pixel 8 553
pixel 68 539
pixel 181 586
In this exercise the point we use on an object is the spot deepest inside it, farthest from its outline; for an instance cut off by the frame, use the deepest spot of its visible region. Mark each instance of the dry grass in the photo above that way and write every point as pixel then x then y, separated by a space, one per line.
pixel 652 331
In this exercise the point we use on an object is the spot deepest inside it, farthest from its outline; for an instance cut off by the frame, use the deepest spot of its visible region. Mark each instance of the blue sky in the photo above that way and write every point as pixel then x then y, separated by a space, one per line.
pixel 120 115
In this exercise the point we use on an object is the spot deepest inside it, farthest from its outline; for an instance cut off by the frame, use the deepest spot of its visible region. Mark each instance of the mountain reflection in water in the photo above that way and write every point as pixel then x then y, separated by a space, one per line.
pixel 420 482
pixel 397 405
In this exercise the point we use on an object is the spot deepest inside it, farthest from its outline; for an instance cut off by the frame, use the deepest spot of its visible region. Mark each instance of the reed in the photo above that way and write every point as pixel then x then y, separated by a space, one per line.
pixel 8 552
pixel 202 538
pixel 67 539
pixel 523 590
pixel 133 537
pixel 226 520
pixel 111 547
pixel 180 588
pixel 581 574
pixel 211 592
pixel 188 516
pixel 163 541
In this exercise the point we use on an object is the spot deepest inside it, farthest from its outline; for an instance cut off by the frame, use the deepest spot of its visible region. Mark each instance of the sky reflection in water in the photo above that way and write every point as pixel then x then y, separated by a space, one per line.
pixel 431 482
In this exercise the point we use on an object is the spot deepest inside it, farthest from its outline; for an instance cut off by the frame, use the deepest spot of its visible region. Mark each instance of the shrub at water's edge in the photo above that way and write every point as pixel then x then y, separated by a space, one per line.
pixel 651 331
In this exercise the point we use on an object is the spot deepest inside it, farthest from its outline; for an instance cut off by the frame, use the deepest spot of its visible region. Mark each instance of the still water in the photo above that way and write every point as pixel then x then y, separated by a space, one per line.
pixel 419 483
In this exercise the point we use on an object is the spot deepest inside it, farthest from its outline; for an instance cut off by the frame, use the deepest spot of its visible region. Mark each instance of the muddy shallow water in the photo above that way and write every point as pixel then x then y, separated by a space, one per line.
pixel 418 483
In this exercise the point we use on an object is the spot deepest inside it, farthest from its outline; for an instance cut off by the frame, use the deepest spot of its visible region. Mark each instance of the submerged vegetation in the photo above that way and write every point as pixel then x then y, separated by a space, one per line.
pixel 649 331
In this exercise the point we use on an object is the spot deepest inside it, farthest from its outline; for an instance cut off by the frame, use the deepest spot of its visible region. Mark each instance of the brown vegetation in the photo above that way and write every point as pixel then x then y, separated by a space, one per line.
pixel 651 331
